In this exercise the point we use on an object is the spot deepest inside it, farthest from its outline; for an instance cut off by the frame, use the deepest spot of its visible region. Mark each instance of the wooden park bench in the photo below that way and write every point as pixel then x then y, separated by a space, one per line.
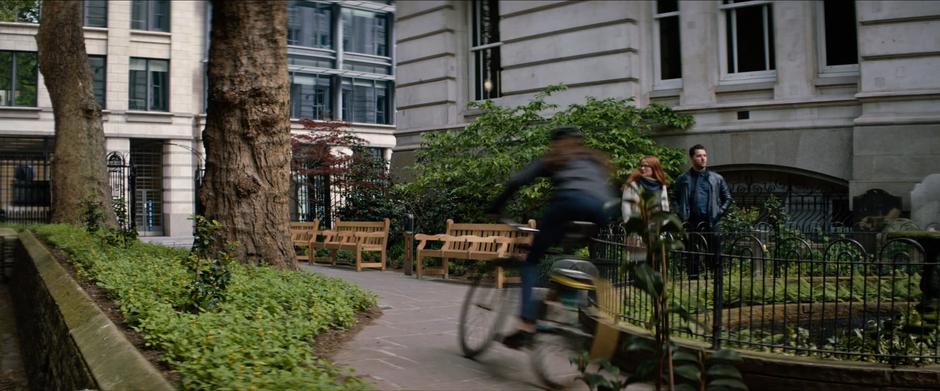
pixel 302 235
pixel 358 237
pixel 478 242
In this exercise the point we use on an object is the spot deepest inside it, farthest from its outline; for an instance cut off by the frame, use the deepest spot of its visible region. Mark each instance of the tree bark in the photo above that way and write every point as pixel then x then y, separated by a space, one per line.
pixel 247 135
pixel 79 167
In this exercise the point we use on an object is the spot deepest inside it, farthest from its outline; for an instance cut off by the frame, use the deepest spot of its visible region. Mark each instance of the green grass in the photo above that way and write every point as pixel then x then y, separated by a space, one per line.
pixel 261 336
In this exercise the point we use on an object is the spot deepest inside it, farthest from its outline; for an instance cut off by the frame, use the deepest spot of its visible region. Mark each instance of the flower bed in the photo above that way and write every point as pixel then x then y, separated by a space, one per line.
pixel 261 337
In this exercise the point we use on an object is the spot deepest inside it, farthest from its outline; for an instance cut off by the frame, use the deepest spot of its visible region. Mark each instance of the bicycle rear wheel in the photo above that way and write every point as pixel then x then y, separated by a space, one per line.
pixel 482 317
pixel 554 358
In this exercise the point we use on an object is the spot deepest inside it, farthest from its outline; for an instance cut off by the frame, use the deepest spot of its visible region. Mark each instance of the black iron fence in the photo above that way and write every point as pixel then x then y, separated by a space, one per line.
pixel 25 188
pixel 846 295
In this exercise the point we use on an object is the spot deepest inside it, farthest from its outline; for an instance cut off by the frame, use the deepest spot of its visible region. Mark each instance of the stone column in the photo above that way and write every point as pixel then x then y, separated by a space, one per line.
pixel 794 49
pixel 698 34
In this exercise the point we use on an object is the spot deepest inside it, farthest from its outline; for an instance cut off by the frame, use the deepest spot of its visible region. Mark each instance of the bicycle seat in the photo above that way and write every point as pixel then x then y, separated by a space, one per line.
pixel 574 273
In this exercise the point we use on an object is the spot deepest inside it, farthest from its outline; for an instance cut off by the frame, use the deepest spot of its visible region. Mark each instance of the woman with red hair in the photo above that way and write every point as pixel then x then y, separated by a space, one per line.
pixel 648 176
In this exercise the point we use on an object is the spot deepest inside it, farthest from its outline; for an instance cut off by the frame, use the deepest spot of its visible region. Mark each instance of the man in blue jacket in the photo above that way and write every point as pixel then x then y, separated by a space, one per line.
pixel 702 199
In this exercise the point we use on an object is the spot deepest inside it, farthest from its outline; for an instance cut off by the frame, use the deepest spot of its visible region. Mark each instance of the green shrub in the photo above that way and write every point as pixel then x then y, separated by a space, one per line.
pixel 260 337
pixel 460 171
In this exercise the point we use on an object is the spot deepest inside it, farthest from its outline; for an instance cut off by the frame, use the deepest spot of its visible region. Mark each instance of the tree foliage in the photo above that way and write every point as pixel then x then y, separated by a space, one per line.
pixel 24 11
pixel 466 168
pixel 330 149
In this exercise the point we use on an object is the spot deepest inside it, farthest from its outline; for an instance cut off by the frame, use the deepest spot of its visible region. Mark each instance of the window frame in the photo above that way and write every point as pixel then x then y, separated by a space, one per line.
pixel 85 14
pixel 149 17
pixel 347 31
pixel 832 70
pixel 330 105
pixel 149 87
pixel 750 76
pixel 331 29
pixel 475 73
pixel 347 111
pixel 104 95
pixel 14 78
pixel 658 82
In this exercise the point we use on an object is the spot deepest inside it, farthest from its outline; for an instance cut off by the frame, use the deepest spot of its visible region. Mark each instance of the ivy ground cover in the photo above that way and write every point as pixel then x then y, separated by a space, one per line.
pixel 260 338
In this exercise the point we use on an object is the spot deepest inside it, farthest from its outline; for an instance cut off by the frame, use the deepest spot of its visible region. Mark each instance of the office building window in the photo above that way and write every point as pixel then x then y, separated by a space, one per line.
pixel 365 32
pixel 149 85
pixel 311 96
pixel 668 57
pixel 18 78
pixel 749 36
pixel 485 49
pixel 98 65
pixel 152 15
pixel 96 13
pixel 21 11
pixel 310 24
pixel 839 35
pixel 366 101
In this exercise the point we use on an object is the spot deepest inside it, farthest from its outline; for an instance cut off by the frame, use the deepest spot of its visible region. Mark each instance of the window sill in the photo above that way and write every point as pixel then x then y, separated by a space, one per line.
pixel 366 124
pixel 381 59
pixel 836 79
pixel 665 92
pixel 151 33
pixel 19 112
pixel 150 36
pixel 745 86
pixel 161 117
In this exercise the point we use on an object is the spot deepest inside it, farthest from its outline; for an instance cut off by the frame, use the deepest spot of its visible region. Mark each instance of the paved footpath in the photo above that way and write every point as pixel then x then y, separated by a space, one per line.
pixel 413 345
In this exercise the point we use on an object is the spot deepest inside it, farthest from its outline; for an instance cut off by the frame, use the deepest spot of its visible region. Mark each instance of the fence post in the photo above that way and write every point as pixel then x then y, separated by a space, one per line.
pixel 409 243
pixel 718 299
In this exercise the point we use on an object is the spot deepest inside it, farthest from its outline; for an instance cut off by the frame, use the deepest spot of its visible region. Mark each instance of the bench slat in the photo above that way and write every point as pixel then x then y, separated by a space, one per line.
pixel 471 241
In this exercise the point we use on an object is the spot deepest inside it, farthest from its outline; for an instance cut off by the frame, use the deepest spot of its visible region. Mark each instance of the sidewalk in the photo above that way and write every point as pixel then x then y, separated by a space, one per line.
pixel 413 345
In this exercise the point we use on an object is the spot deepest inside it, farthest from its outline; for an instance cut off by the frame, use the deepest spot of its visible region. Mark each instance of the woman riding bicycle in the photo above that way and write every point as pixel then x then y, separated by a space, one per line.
pixel 580 177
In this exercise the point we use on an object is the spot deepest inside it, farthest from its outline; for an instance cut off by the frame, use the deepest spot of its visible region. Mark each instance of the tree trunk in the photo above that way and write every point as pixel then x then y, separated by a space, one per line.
pixel 247 135
pixel 79 167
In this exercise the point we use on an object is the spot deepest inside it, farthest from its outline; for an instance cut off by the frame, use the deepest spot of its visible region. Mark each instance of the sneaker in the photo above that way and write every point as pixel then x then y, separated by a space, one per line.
pixel 518 340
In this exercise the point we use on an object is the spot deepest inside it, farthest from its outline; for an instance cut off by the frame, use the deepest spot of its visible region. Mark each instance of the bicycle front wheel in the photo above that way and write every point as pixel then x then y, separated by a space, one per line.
pixel 482 317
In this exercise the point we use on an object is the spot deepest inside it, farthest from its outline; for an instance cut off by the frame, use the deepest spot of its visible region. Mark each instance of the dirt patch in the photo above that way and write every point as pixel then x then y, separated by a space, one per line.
pixel 330 342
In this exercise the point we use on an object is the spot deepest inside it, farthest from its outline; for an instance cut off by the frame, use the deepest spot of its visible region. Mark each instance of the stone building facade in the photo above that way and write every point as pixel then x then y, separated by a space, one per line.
pixel 834 97
pixel 149 60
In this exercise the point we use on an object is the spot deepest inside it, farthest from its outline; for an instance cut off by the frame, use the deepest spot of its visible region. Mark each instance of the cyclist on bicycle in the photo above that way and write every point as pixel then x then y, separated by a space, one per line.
pixel 580 177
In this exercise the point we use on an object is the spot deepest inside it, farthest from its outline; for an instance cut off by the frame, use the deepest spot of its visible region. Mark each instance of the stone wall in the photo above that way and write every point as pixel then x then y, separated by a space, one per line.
pixel 68 342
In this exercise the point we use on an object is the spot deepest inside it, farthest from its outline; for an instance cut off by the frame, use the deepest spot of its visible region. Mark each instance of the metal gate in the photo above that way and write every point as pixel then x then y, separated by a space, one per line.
pixel 122 179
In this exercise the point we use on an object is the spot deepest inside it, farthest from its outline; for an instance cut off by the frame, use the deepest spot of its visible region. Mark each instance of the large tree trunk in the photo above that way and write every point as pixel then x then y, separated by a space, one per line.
pixel 79 169
pixel 247 136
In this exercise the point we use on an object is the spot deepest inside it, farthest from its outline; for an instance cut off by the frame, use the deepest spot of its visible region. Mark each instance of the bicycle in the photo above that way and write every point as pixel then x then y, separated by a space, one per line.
pixel 567 305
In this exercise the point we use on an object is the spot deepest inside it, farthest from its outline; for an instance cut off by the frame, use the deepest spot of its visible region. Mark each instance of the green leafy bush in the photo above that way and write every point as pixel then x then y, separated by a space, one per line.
pixel 463 170
pixel 260 337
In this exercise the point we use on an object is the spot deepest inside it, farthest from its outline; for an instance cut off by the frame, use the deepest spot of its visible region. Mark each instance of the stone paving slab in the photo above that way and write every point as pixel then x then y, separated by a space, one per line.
pixel 413 345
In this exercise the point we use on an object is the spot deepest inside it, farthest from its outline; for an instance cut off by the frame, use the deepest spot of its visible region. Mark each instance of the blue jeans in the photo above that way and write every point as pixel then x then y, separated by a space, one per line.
pixel 565 207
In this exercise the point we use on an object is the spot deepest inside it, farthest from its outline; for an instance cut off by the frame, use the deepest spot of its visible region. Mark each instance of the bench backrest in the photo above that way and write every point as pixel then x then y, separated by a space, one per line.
pixel 484 230
pixel 304 232
pixel 366 227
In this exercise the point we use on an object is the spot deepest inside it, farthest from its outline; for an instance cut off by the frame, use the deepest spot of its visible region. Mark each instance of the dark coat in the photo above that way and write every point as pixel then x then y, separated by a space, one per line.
pixel 719 196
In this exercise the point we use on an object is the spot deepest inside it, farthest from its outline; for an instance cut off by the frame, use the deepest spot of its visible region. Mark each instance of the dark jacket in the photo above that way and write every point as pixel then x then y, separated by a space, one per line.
pixel 580 175
pixel 719 196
